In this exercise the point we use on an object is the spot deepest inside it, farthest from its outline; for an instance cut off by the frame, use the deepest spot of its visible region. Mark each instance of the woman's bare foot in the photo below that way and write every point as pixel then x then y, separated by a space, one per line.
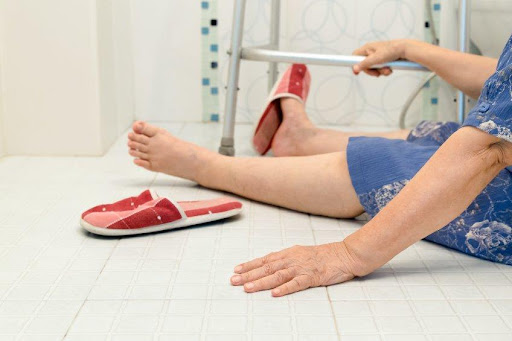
pixel 155 149
pixel 294 130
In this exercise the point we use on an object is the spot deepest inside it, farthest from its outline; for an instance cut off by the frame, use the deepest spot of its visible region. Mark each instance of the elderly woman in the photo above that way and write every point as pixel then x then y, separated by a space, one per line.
pixel 442 182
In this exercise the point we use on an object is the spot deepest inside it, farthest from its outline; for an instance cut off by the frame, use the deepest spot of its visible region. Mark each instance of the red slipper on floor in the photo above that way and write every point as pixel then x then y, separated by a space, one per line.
pixel 159 215
pixel 294 83
pixel 125 204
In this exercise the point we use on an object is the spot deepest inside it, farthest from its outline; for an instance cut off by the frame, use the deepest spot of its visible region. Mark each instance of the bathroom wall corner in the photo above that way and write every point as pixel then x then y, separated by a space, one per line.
pixel 106 73
pixel 2 140
pixel 122 30
pixel 3 148
pixel 115 68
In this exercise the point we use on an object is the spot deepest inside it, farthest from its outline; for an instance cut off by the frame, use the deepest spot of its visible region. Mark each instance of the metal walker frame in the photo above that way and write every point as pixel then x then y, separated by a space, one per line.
pixel 270 53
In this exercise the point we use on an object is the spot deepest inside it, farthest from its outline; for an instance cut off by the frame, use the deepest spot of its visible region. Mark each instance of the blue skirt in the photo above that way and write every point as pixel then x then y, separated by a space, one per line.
pixel 379 168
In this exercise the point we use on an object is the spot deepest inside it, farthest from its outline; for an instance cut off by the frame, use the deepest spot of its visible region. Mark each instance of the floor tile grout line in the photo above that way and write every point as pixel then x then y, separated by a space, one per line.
pixel 26 230
pixel 42 301
pixel 34 222
pixel 416 315
pixel 92 287
pixel 170 287
pixel 405 292
pixel 449 301
pixel 333 314
pixel 485 298
pixel 209 297
pixel 132 285
pixel 250 300
pixel 52 287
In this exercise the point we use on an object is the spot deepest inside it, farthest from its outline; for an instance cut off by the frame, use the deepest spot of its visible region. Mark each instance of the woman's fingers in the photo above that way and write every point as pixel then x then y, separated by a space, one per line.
pixel 376 53
pixel 373 73
pixel 368 62
pixel 270 282
pixel 298 283
pixel 255 274
pixel 362 51
pixel 385 71
pixel 258 262
pixel 294 269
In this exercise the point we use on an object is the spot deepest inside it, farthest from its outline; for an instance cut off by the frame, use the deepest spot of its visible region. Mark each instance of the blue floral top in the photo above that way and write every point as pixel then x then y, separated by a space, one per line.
pixel 493 112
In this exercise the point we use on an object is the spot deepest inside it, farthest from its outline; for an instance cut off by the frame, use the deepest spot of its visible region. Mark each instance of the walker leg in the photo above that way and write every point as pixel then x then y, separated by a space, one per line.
pixel 227 144
pixel 464 31
pixel 275 15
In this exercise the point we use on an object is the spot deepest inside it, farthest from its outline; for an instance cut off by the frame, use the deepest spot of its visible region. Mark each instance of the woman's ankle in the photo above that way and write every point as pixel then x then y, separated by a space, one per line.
pixel 207 171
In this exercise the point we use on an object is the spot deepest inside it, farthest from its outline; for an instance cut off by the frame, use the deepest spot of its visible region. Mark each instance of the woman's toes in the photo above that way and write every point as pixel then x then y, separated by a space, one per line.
pixel 143 139
pixel 150 130
pixel 138 154
pixel 142 163
pixel 144 128
pixel 138 146
pixel 137 127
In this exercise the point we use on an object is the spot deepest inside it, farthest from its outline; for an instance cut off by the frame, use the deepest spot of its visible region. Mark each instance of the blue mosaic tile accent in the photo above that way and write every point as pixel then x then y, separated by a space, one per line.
pixel 209 64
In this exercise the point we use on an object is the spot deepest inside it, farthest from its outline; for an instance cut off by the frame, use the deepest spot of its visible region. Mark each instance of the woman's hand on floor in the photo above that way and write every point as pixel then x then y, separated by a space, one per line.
pixel 379 52
pixel 297 268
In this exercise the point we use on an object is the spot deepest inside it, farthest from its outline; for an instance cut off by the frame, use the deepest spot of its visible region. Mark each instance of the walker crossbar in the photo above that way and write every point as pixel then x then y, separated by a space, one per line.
pixel 265 54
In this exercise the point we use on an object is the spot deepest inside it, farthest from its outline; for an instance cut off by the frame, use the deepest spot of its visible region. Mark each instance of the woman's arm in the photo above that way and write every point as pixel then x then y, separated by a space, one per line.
pixel 440 191
pixel 464 71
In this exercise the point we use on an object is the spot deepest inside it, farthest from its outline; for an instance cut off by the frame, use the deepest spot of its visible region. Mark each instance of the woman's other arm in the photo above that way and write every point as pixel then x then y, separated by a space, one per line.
pixel 464 71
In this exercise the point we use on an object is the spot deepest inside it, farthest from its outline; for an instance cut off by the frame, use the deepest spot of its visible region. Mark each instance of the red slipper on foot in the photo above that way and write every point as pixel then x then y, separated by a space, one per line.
pixel 294 83
pixel 125 204
pixel 159 215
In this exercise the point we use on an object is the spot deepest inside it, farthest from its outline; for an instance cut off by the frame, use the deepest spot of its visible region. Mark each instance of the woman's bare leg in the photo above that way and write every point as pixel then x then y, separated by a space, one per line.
pixel 317 184
pixel 297 136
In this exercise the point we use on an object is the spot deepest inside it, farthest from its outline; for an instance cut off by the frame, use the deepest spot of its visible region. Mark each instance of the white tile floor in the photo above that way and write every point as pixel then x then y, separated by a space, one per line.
pixel 58 282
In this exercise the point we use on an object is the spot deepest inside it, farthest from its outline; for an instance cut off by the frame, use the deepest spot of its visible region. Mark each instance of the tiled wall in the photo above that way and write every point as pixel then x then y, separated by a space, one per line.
pixel 210 60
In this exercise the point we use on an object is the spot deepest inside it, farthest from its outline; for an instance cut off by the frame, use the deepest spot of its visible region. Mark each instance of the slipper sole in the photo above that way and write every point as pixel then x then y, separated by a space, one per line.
pixel 197 220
